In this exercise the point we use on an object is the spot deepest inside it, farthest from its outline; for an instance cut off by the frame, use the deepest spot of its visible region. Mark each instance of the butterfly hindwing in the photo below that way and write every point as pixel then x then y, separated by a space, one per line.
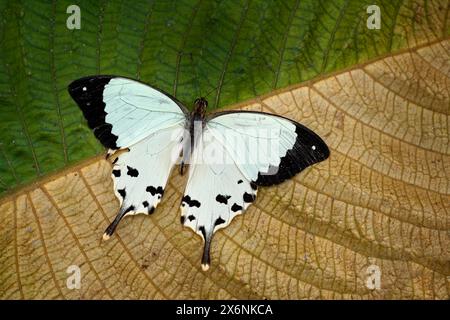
pixel 140 175
pixel 122 111
pixel 214 195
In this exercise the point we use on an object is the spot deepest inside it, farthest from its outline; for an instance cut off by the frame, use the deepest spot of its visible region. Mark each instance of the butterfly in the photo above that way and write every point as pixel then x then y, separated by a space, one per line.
pixel 228 154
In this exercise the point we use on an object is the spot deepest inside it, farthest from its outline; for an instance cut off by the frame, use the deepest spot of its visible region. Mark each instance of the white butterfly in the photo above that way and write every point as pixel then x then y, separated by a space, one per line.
pixel 229 154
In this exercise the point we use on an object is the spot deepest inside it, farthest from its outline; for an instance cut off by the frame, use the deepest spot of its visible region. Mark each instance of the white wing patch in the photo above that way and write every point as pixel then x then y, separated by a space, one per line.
pixel 136 110
pixel 140 175
pixel 255 141
pixel 214 195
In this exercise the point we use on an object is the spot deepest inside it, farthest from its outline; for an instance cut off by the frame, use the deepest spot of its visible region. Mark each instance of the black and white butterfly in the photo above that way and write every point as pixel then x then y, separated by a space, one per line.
pixel 230 154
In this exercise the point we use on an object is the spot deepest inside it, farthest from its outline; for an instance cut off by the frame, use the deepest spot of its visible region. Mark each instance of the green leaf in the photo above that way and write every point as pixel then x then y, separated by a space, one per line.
pixel 228 51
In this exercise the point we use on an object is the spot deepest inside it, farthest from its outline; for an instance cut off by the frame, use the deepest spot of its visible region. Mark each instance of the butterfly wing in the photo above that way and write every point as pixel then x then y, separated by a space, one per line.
pixel 215 193
pixel 146 124
pixel 239 151
pixel 122 111
pixel 268 148
pixel 140 175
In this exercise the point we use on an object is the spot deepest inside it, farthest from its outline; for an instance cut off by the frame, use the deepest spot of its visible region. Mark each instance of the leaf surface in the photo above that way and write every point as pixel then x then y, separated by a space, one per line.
pixel 382 199
pixel 228 51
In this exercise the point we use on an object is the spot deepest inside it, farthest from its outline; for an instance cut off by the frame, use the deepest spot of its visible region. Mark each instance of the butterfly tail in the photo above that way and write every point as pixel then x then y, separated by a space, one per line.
pixel 112 227
pixel 206 260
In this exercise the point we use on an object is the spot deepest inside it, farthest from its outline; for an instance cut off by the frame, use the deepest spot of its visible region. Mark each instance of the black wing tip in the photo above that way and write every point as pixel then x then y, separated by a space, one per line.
pixel 78 83
pixel 308 149
pixel 321 152
pixel 88 94
pixel 83 89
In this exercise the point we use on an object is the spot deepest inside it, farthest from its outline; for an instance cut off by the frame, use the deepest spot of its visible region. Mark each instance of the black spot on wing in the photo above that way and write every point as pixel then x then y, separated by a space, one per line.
pixel 132 172
pixel 222 198
pixel 151 189
pixel 88 94
pixel 219 221
pixel 240 181
pixel 116 173
pixel 248 197
pixel 235 207
pixel 145 204
pixel 154 190
pixel 253 185
pixel 191 217
pixel 191 202
pixel 122 193
pixel 307 150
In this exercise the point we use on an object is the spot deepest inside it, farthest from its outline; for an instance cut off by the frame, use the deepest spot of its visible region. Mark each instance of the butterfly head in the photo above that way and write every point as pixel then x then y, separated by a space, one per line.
pixel 200 106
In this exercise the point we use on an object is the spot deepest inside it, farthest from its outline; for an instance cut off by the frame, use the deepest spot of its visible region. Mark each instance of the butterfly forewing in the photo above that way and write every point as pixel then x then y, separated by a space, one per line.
pixel 122 111
pixel 267 148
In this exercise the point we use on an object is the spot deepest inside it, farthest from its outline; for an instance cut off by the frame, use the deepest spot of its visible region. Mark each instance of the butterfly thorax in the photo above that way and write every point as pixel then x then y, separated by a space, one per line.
pixel 200 106
pixel 196 125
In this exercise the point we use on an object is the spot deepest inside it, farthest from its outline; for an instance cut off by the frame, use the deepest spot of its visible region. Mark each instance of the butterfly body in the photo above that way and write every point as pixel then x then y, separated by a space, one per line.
pixel 230 154
pixel 196 123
